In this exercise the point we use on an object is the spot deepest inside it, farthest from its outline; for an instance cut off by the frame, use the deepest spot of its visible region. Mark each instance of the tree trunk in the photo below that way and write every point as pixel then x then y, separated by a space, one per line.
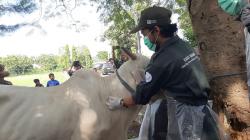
pixel 221 42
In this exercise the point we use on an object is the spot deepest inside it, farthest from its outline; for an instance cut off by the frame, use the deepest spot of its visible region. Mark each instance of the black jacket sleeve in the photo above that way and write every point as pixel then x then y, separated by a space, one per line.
pixel 152 84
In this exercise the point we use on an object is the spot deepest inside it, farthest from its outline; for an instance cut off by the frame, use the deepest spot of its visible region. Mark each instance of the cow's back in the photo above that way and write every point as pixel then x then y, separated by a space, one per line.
pixel 75 110
pixel 36 114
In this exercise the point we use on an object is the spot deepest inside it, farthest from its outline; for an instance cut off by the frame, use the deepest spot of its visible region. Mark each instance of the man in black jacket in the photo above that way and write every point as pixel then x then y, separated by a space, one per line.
pixel 175 69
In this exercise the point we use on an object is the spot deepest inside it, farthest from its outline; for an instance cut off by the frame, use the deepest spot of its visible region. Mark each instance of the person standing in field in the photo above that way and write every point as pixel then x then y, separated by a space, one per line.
pixel 37 82
pixel 52 81
pixel 4 74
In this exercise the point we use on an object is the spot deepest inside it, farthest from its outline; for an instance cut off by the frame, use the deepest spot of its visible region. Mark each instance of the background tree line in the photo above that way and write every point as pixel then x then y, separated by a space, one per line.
pixel 19 64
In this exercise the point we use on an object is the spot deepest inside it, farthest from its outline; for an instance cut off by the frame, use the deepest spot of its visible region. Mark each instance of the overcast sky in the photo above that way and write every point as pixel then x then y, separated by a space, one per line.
pixel 47 35
pixel 54 33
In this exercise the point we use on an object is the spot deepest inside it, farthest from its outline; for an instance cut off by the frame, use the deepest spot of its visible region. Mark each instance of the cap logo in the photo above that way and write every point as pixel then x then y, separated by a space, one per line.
pixel 151 21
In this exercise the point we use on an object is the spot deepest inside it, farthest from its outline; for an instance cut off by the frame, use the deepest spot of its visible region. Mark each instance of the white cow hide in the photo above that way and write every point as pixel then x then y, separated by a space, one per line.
pixel 75 110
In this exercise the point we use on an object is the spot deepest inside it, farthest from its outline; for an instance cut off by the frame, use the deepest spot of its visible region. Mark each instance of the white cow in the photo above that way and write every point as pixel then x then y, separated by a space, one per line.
pixel 75 110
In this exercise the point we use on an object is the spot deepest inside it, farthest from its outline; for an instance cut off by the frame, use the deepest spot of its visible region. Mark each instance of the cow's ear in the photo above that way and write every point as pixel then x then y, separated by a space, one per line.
pixel 138 75
pixel 128 53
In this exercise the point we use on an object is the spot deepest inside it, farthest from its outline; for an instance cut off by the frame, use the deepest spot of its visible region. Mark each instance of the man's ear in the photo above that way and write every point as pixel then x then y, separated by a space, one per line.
pixel 128 53
pixel 157 30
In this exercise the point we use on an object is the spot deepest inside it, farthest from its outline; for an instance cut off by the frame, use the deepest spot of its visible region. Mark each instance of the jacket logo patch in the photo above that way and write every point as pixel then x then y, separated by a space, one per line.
pixel 189 59
pixel 148 77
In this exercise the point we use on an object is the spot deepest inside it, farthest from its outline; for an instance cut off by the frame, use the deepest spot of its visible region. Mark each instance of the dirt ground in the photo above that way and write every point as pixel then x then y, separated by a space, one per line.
pixel 134 127
pixel 133 130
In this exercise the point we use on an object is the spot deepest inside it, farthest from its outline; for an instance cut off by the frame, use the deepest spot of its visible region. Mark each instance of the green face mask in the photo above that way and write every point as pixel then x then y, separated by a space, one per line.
pixel 151 46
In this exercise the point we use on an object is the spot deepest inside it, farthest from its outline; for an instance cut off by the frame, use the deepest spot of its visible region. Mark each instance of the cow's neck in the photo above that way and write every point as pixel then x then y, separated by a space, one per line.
pixel 125 115
pixel 116 87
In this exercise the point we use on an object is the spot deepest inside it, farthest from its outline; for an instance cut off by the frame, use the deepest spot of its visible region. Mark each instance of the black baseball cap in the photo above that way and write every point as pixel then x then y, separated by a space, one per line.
pixel 153 16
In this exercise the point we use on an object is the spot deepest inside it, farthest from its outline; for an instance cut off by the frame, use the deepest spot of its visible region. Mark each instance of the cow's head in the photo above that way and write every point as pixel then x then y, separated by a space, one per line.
pixel 133 68
pixel 130 71
pixel 135 61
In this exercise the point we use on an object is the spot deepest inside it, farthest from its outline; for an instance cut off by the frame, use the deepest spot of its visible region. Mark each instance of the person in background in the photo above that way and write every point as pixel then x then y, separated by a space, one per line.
pixel 75 66
pixel 52 81
pixel 3 74
pixel 123 59
pixel 37 82
pixel 95 69
pixel 112 62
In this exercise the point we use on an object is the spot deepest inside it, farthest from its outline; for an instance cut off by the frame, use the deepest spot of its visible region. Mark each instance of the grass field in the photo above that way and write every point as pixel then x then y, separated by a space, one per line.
pixel 27 80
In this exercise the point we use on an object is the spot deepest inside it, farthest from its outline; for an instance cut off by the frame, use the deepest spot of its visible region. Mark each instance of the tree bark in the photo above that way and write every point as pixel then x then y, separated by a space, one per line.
pixel 221 41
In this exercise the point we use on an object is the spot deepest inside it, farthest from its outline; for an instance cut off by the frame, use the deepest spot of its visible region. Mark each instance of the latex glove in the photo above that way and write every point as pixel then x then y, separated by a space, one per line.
pixel 114 103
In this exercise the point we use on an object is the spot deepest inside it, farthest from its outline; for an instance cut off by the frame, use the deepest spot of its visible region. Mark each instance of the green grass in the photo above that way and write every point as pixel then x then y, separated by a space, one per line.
pixel 27 80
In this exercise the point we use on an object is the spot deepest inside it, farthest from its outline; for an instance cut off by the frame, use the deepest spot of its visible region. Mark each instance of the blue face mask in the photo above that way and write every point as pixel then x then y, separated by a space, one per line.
pixel 151 46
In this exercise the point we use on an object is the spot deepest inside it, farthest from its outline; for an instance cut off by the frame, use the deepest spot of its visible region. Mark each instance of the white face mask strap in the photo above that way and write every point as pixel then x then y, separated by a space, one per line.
pixel 156 38
pixel 149 32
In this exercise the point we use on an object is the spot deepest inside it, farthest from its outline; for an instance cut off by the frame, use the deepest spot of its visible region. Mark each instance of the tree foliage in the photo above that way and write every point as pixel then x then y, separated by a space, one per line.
pixel 65 60
pixel 47 9
pixel 75 54
pixel 72 53
pixel 185 22
pixel 87 62
pixel 123 15
pixel 102 55
pixel 47 62
pixel 17 64
pixel 82 54
pixel 21 7
pixel 120 16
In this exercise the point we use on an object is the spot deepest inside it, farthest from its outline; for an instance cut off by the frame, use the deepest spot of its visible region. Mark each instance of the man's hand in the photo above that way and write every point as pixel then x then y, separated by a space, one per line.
pixel 114 103
pixel 128 101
